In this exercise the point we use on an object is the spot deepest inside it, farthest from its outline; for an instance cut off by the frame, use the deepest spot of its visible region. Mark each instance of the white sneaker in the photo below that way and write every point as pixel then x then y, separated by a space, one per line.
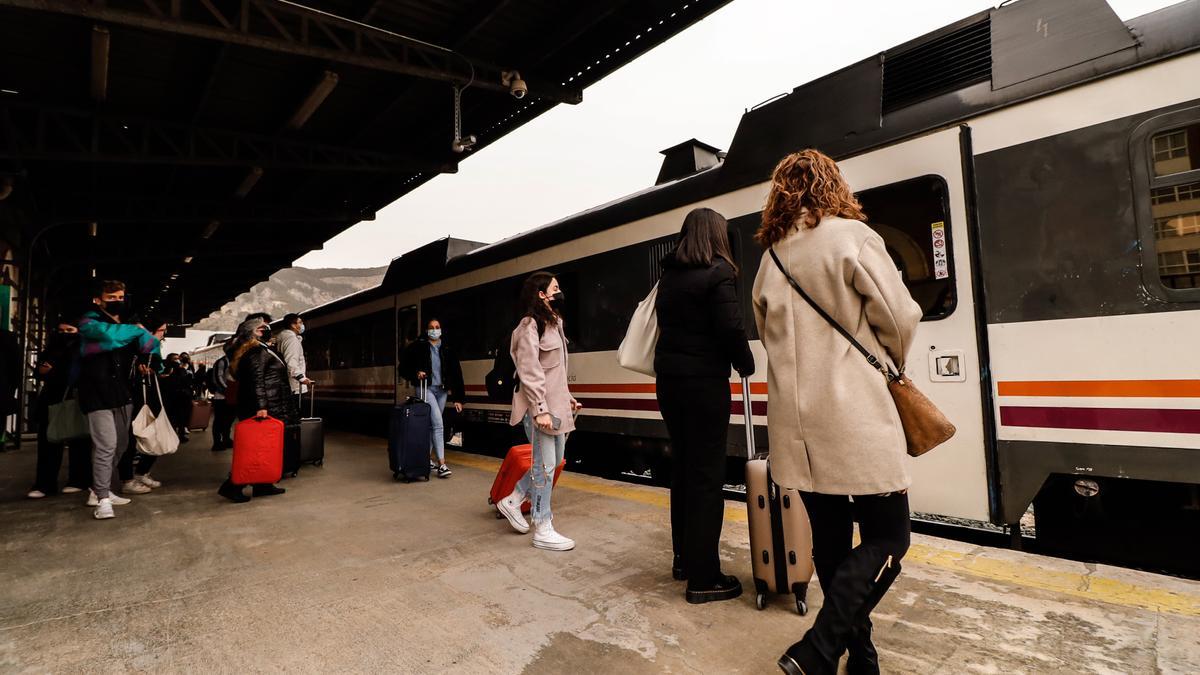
pixel 545 537
pixel 35 494
pixel 115 499
pixel 148 481
pixel 104 510
pixel 135 487
pixel 510 507
pixel 71 489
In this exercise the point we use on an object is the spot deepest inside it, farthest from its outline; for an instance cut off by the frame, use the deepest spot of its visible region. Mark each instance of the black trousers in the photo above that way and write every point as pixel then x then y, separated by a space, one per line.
pixel 223 415
pixel 883 523
pixel 49 460
pixel 133 461
pixel 696 411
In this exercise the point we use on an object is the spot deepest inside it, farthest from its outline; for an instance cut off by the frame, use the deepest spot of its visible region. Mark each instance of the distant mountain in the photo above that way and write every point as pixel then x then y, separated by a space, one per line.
pixel 292 290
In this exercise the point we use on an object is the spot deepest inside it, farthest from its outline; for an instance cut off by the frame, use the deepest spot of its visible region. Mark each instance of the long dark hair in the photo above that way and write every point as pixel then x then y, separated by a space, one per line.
pixel 532 305
pixel 704 238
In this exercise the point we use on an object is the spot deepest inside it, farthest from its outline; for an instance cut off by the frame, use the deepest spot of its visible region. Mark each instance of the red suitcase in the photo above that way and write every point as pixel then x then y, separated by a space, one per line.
pixel 515 466
pixel 257 451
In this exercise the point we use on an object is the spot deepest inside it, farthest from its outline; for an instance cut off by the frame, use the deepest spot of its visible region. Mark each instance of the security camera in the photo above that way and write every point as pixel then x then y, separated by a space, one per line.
pixel 516 86
pixel 461 145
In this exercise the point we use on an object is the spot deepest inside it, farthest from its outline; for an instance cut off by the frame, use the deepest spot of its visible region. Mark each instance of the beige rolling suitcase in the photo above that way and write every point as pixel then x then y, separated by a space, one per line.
pixel 780 537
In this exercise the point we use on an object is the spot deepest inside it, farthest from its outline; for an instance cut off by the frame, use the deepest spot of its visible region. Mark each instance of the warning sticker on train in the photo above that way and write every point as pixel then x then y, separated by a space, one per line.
pixel 941 263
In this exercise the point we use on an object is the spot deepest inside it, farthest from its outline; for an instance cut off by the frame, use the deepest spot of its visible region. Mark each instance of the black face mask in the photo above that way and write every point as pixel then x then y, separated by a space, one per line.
pixel 557 299
pixel 115 307
pixel 266 335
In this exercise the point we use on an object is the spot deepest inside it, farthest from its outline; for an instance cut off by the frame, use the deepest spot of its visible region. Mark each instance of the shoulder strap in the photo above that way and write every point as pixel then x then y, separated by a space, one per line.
pixel 875 363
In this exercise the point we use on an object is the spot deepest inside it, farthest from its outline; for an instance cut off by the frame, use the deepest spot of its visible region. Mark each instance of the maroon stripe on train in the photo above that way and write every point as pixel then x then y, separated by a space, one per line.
pixel 641 404
pixel 1103 419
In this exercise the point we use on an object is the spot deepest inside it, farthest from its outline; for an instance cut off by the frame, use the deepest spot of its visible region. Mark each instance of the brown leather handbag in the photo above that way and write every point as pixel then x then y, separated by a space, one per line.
pixel 925 427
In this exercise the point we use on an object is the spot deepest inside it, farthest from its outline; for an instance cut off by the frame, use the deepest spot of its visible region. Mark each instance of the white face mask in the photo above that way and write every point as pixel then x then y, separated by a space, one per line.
pixel 434 333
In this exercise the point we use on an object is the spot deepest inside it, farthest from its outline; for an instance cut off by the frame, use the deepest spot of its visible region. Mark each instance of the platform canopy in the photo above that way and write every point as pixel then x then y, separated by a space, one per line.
pixel 195 147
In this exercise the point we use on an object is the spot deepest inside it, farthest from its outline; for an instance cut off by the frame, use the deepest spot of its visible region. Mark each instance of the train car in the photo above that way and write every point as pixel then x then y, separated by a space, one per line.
pixel 209 353
pixel 1035 171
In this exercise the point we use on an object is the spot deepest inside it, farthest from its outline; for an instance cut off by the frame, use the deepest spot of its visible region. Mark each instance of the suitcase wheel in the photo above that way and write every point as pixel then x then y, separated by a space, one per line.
pixel 319 462
pixel 760 601
pixel 801 591
pixel 396 475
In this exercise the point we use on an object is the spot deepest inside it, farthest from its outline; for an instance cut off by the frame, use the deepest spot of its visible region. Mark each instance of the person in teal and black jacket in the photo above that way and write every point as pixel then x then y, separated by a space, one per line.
pixel 111 351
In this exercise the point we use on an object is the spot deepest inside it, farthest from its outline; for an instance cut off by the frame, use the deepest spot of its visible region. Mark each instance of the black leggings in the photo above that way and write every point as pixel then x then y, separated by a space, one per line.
pixel 883 522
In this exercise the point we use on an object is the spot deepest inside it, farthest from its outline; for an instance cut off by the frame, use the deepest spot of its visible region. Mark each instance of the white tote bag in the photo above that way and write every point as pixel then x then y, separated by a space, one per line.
pixel 636 352
pixel 154 434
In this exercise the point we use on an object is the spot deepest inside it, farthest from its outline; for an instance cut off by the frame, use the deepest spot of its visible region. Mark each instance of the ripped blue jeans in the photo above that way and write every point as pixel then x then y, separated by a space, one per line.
pixel 548 453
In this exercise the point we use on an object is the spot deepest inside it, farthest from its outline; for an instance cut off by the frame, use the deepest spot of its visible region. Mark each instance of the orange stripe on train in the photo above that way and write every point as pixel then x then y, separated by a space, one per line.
pixel 1104 388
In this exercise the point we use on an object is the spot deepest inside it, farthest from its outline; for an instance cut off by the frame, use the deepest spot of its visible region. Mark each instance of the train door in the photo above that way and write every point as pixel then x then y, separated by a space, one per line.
pixel 913 195
pixel 407 327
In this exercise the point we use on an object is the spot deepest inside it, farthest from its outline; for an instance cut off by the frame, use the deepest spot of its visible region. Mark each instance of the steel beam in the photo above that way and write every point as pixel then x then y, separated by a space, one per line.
pixel 133 216
pixel 32 132
pixel 290 28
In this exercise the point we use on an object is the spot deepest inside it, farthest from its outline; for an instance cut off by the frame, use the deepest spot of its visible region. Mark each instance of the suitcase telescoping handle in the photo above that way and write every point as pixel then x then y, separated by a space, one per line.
pixel 312 399
pixel 748 413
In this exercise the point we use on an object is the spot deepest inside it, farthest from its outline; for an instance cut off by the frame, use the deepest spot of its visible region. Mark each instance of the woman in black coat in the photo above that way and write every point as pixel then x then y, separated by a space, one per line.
pixel 263 391
pixel 701 336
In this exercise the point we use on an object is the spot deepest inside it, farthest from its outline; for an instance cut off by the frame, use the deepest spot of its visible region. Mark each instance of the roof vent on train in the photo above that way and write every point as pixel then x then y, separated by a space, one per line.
pixel 947 62
pixel 687 158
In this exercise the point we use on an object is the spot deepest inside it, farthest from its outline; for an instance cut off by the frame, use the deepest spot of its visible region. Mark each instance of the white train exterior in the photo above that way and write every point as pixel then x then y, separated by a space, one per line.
pixel 1040 190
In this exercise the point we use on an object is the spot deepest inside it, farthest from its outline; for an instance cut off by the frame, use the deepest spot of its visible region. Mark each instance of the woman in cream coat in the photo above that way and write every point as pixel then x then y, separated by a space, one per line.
pixel 834 431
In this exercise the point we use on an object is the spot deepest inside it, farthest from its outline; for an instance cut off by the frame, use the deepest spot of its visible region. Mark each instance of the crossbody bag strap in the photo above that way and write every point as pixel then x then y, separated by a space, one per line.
pixel 875 363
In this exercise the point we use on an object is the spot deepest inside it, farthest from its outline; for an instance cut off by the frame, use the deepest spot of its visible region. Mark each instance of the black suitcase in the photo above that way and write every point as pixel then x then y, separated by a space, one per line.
pixel 312 431
pixel 410 432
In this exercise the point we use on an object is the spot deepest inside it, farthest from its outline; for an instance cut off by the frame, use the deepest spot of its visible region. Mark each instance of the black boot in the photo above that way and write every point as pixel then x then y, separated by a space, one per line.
pixel 677 572
pixel 863 659
pixel 232 492
pixel 725 588
pixel 267 490
pixel 852 589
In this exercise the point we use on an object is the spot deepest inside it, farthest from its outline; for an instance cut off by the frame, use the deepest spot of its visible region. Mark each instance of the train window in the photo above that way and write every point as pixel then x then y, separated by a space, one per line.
pixel 1167 172
pixel 406 329
pixel 1176 150
pixel 914 220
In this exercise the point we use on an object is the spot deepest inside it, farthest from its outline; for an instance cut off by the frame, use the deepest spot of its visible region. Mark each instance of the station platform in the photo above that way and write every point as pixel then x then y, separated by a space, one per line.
pixel 352 572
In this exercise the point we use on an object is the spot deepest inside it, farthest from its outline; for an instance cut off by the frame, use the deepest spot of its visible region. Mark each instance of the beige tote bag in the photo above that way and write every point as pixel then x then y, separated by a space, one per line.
pixel 154 434
pixel 636 352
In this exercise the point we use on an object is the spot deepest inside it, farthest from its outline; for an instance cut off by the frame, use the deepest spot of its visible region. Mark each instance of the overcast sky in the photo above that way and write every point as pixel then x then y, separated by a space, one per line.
pixel 697 84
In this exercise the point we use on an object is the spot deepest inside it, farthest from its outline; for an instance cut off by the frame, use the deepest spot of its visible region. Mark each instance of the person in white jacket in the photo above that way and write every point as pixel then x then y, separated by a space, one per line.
pixel 291 347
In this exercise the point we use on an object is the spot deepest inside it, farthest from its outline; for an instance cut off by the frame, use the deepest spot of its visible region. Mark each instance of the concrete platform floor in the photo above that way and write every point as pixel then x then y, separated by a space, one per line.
pixel 352 572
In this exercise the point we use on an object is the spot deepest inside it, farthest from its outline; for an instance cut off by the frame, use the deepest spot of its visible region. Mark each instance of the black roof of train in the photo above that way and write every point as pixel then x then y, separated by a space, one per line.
pixel 936 80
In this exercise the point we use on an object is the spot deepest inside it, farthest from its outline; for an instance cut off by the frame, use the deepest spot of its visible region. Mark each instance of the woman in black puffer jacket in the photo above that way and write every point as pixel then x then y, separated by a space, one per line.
pixel 263 391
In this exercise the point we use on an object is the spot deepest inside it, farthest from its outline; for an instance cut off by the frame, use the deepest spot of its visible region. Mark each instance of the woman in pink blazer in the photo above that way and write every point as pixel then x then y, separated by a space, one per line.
pixel 543 404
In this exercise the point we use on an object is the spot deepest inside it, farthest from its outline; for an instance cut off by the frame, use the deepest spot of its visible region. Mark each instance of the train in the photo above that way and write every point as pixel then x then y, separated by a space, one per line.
pixel 1033 168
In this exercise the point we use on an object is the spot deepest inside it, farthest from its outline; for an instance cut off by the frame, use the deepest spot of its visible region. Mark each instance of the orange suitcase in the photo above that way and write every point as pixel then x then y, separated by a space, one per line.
pixel 516 464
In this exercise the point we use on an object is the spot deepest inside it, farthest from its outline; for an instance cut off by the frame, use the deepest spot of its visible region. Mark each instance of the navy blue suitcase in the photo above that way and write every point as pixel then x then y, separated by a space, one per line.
pixel 410 432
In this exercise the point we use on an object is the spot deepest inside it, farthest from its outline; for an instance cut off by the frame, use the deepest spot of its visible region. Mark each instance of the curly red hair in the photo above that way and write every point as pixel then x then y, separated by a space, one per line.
pixel 806 186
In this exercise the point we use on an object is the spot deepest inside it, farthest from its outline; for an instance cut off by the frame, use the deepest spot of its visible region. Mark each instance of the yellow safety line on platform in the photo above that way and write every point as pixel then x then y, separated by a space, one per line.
pixel 1083 586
